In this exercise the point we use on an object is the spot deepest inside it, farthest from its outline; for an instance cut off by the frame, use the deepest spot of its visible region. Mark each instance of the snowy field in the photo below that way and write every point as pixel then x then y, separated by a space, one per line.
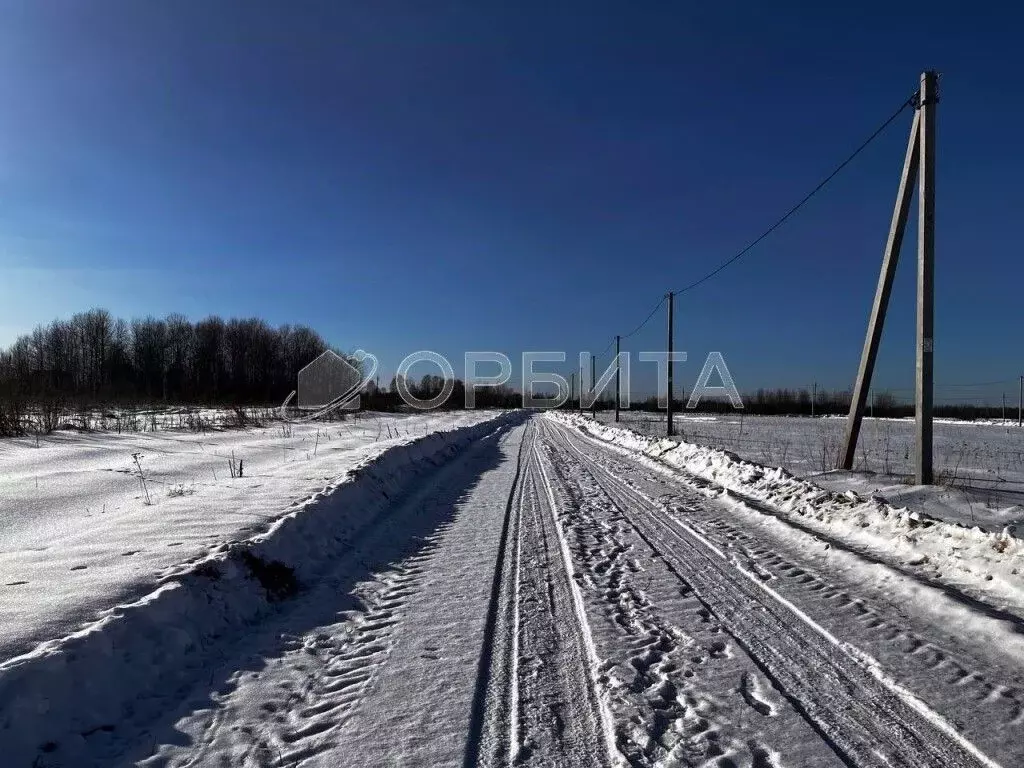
pixel 82 531
pixel 979 466
pixel 492 590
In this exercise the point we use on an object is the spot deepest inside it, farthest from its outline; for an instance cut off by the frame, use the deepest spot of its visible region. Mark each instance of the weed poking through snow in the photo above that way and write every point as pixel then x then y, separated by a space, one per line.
pixel 142 476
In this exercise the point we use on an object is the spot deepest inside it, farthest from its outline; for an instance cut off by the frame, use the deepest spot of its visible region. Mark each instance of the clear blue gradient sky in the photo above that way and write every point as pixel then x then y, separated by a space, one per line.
pixel 474 175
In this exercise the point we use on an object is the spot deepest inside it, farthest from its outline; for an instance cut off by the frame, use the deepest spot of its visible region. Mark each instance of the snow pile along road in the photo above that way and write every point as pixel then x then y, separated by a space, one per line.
pixel 979 465
pixel 124 666
pixel 988 566
pixel 93 520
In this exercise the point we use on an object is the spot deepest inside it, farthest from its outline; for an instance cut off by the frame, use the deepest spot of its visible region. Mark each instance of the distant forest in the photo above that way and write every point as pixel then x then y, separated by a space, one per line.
pixel 797 402
pixel 95 359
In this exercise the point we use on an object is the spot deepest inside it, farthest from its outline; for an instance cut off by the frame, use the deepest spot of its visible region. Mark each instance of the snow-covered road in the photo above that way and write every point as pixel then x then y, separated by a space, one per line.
pixel 543 598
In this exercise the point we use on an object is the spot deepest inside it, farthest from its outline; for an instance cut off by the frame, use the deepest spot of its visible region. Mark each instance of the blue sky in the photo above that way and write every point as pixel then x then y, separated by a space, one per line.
pixel 466 176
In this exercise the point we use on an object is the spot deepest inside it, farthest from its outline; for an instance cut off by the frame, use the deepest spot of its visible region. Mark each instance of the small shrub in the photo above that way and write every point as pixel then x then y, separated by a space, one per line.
pixel 235 418
pixel 240 418
pixel 50 413
pixel 193 421
pixel 12 418
pixel 82 421
pixel 274 576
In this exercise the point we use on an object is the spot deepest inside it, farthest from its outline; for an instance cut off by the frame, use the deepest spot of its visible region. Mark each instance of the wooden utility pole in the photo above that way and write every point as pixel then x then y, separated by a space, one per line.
pixel 919 165
pixel 814 397
pixel 925 278
pixel 668 410
pixel 1020 404
pixel 618 377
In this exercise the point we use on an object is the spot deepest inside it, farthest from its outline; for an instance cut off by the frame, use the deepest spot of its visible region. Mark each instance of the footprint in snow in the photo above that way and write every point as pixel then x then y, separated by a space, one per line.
pixel 15 583
pixel 752 692
pixel 79 567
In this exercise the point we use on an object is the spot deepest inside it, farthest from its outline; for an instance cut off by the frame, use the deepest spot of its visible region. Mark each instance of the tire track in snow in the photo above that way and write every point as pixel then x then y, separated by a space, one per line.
pixel 867 719
pixel 577 661
pixel 346 671
pixel 673 687
pixel 542 705
pixel 419 707
pixel 1004 705
pixel 492 716
pixel 976 679
pixel 656 719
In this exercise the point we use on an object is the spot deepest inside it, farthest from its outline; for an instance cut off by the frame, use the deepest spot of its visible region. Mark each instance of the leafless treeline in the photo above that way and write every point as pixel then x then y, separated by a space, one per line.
pixel 96 358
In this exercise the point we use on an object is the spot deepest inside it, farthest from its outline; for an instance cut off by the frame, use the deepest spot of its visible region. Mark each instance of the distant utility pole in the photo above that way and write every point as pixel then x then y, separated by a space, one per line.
pixel 572 389
pixel 919 165
pixel 1004 407
pixel 1020 404
pixel 814 397
pixel 668 411
pixel 593 385
pixel 579 403
pixel 618 377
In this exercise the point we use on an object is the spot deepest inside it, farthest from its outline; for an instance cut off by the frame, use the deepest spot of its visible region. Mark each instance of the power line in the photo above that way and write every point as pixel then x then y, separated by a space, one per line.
pixel 977 384
pixel 821 185
pixel 646 319
pixel 635 330
pixel 911 102
pixel 657 306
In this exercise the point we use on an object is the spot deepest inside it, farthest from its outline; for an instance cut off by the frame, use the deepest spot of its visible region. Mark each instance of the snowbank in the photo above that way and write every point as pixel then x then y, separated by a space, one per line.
pixel 985 564
pixel 66 689
pixel 979 466
pixel 80 533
